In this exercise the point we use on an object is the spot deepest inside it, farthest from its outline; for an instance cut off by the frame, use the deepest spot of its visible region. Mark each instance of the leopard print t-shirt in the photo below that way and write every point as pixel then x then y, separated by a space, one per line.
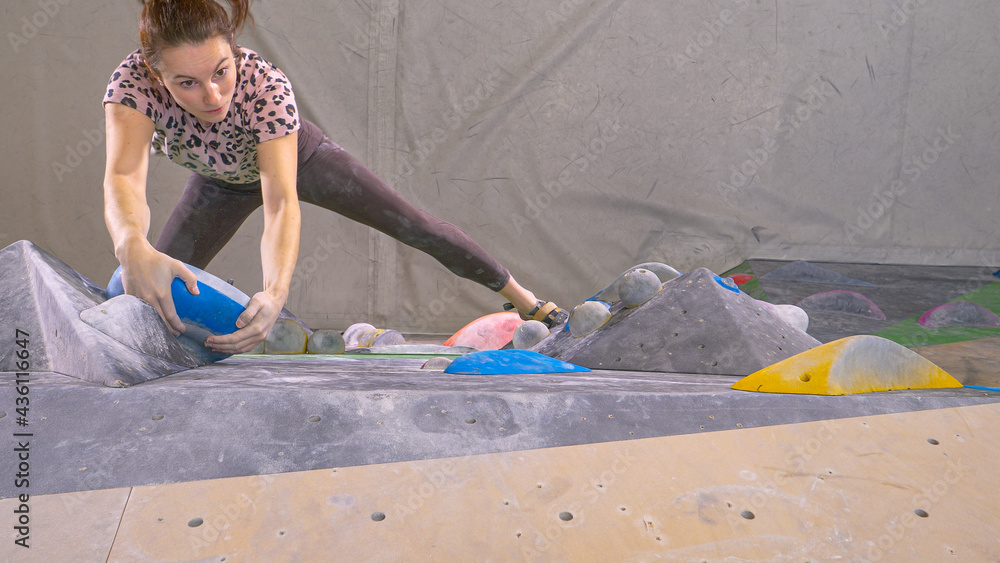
pixel 263 108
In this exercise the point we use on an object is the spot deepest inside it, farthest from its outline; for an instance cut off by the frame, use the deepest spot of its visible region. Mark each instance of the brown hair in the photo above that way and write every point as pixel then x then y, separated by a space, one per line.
pixel 169 23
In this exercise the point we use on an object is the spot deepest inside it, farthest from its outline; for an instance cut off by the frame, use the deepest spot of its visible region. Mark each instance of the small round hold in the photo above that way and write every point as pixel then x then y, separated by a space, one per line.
pixel 637 287
pixel 325 341
pixel 588 317
pixel 286 337
pixel 793 315
pixel 354 332
pixel 438 363
pixel 529 333
pixel 380 337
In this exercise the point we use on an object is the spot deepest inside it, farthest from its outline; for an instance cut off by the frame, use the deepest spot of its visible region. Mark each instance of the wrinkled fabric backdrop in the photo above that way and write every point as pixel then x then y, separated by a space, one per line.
pixel 571 139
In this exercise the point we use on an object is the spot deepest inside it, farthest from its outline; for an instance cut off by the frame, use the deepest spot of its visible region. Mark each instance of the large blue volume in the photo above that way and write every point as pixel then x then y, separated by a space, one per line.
pixel 509 362
pixel 213 311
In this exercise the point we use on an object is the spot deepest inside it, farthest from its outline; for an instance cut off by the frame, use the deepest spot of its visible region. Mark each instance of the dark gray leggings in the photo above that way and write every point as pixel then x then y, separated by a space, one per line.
pixel 210 212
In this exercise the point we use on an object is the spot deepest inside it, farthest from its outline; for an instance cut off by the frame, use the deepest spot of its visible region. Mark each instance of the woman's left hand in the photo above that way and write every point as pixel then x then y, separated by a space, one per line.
pixel 253 326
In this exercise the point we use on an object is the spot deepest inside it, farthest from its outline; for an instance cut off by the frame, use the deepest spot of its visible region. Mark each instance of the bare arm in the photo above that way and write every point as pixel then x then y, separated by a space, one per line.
pixel 279 245
pixel 146 273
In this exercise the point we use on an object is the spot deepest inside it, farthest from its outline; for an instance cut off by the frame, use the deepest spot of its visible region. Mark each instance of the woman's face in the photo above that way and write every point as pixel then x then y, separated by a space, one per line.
pixel 201 78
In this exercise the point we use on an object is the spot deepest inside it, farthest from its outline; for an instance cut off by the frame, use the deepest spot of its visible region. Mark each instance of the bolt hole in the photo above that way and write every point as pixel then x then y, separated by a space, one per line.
pixel 158 417
pixel 314 419
pixel 921 513
pixel 684 312
pixel 747 514
pixel 715 364
pixel 378 516
pixel 518 534
pixel 281 532
pixel 506 503
pixel 805 378
pixel 701 346
pixel 600 485
pixel 622 508
pixel 538 486
pixel 195 522
pixel 639 346
pixel 565 516
pixel 470 421
pixel 676 334
pixel 932 441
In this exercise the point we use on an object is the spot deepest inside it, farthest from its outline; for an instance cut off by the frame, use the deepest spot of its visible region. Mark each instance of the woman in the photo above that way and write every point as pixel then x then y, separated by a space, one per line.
pixel 190 92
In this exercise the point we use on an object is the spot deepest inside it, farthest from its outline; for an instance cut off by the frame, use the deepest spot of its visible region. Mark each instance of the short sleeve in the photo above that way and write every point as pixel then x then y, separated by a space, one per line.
pixel 273 112
pixel 132 86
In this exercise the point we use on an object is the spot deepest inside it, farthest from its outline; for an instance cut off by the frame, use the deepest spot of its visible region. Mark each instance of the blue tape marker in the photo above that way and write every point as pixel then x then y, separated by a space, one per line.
pixel 994 389
pixel 727 283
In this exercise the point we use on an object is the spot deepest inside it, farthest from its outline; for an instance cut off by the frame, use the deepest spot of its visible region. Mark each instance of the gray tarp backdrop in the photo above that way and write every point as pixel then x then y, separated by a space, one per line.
pixel 571 139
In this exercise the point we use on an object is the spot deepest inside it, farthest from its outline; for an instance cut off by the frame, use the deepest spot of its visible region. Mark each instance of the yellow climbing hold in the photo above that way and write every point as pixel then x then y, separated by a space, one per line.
pixel 856 364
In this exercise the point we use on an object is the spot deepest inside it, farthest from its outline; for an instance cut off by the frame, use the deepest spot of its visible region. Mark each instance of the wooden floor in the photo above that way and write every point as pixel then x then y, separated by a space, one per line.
pixel 899 487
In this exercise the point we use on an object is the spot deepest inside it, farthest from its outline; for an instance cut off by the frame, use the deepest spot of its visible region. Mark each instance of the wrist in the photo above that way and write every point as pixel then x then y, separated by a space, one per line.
pixel 277 293
pixel 126 248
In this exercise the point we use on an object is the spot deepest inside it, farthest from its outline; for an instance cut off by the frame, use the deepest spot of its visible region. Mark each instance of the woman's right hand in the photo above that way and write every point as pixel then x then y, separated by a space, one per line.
pixel 148 274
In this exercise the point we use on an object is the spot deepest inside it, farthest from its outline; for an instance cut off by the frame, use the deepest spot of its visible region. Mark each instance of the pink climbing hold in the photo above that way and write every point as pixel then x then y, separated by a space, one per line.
pixel 490 332
pixel 959 313
pixel 843 301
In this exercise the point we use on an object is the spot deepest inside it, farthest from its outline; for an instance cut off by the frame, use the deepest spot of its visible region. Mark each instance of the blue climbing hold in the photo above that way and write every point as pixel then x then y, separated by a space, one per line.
pixel 213 311
pixel 509 362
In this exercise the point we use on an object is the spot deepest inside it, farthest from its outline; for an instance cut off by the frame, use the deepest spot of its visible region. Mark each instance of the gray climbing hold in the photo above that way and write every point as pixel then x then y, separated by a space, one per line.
pixel 529 333
pixel 843 301
pixel 637 287
pixel 354 332
pixel 286 337
pixel 380 337
pixel 802 271
pixel 662 271
pixel 793 315
pixel 325 341
pixel 587 317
